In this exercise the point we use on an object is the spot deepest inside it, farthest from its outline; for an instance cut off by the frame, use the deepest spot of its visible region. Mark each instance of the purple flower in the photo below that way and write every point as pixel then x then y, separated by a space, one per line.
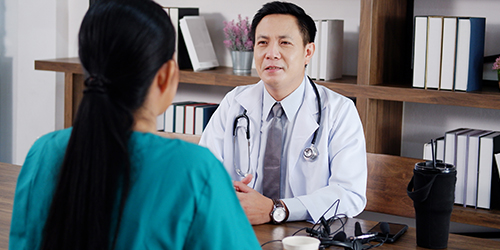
pixel 496 64
pixel 238 35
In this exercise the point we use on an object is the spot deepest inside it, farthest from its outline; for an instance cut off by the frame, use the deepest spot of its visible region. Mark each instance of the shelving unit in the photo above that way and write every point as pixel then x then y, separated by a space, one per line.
pixel 382 85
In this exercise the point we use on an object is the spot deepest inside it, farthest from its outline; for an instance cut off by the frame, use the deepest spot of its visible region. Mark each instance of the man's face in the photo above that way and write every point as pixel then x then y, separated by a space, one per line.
pixel 280 54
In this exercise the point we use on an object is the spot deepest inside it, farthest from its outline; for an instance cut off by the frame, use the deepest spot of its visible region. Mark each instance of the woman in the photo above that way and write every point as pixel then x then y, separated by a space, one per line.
pixel 110 182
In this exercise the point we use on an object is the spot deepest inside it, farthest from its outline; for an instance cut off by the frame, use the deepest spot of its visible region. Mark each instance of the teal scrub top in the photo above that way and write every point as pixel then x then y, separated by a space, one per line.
pixel 181 197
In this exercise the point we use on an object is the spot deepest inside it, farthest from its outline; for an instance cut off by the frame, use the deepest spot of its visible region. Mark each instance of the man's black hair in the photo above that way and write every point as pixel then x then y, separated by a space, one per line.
pixel 305 22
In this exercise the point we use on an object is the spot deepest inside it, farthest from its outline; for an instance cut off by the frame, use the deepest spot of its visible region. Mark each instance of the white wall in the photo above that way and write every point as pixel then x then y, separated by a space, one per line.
pixel 34 91
pixel 31 101
pixel 27 96
pixel 8 39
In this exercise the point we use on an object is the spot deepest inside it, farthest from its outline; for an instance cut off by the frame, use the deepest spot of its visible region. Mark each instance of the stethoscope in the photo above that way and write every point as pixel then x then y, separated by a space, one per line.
pixel 310 153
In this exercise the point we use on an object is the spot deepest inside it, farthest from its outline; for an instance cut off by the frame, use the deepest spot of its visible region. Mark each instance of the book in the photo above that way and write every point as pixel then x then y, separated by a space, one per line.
pixel 497 160
pixel 438 149
pixel 488 189
pixel 427 155
pixel 160 122
pixel 332 46
pixel 198 43
pixel 470 53
pixel 472 167
pixel 448 53
pixel 462 147
pixel 169 119
pixel 315 60
pixel 434 46
pixel 181 53
pixel 495 182
pixel 419 51
pixel 203 114
pixel 189 117
pixel 178 116
pixel 450 138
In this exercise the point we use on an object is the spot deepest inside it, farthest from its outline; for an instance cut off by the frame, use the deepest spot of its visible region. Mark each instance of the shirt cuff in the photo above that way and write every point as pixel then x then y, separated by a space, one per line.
pixel 297 210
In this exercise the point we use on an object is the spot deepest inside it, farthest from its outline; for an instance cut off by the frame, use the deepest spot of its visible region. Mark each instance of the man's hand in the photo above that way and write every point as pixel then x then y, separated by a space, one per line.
pixel 247 179
pixel 257 207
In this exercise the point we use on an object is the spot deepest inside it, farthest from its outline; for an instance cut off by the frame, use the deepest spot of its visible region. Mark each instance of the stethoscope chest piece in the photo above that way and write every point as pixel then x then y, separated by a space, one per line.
pixel 310 153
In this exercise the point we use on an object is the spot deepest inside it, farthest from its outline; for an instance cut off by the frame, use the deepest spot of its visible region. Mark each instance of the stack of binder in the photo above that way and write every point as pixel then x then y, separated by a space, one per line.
pixel 448 52
pixel 186 117
pixel 476 155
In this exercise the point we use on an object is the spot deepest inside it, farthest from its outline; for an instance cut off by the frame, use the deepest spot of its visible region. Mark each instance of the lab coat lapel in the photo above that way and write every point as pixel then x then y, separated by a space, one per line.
pixel 303 130
pixel 251 99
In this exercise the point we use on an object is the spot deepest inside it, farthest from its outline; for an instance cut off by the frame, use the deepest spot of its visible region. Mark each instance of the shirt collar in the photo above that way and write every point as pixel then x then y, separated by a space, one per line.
pixel 290 104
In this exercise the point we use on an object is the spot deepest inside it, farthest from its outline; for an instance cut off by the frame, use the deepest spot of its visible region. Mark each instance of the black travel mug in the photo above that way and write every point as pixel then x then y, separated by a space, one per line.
pixel 432 189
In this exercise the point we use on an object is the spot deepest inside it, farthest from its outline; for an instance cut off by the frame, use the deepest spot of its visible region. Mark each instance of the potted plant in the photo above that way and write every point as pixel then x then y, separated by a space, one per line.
pixel 496 66
pixel 240 43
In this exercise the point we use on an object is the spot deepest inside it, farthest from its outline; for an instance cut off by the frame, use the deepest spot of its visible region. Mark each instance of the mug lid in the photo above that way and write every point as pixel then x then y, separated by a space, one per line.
pixel 440 167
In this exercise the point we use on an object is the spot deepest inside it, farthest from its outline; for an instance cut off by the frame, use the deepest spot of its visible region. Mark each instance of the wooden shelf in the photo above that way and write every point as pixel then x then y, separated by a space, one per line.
pixel 480 217
pixel 381 193
pixel 66 65
pixel 224 76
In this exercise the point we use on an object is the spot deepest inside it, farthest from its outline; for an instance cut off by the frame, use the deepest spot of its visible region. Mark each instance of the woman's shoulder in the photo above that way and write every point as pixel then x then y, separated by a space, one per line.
pixel 44 156
pixel 52 142
pixel 161 149
pixel 151 139
pixel 63 134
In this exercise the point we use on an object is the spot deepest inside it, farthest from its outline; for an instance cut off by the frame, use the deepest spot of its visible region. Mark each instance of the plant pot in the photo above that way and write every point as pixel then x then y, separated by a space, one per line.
pixel 498 72
pixel 242 62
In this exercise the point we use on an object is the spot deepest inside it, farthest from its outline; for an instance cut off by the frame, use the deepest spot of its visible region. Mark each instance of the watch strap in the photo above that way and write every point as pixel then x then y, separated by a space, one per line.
pixel 286 210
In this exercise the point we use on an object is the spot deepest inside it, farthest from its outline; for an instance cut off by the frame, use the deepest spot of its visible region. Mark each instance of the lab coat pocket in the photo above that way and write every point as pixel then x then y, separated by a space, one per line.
pixel 313 174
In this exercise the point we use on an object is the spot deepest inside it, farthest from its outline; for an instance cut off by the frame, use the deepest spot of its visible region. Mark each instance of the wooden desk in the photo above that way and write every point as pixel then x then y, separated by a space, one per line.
pixel 265 233
pixel 8 179
pixel 270 232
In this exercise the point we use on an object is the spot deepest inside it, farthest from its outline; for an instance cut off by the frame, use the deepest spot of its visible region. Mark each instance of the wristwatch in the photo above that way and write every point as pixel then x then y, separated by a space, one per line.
pixel 279 214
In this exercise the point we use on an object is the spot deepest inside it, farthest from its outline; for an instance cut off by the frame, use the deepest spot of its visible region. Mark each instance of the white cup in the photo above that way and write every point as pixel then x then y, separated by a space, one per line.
pixel 300 243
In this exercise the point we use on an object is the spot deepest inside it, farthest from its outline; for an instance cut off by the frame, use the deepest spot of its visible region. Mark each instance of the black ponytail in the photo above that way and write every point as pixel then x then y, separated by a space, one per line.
pixel 122 44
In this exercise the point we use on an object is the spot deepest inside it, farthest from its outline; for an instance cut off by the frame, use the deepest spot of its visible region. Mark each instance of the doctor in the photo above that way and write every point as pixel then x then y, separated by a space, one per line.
pixel 306 185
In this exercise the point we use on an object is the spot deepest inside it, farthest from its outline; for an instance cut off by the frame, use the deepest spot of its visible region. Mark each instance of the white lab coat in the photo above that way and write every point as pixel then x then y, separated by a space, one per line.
pixel 340 170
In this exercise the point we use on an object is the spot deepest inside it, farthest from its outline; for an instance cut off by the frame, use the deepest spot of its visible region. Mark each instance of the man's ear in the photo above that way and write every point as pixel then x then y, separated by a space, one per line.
pixel 310 48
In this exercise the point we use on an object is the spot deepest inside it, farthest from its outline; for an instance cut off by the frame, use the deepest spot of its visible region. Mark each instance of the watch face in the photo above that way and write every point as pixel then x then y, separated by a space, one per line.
pixel 279 214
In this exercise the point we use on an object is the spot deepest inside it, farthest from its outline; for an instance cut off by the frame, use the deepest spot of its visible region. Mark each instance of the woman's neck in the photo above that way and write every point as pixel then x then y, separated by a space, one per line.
pixel 145 121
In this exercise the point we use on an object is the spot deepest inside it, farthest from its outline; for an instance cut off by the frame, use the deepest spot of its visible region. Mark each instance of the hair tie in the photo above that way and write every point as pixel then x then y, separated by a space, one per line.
pixel 96 84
